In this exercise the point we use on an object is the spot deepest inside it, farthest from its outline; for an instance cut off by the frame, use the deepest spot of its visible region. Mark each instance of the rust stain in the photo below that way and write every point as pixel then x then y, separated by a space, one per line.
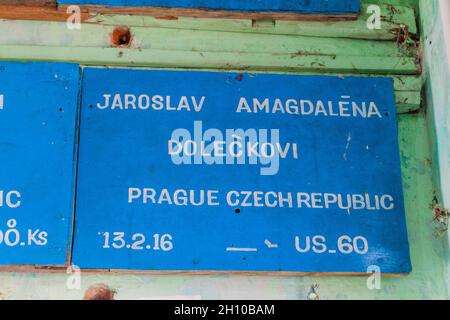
pixel 402 35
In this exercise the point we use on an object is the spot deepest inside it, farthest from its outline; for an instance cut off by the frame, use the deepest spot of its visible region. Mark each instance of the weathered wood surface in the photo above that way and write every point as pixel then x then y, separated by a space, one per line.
pixel 403 16
pixel 213 60
pixel 47 10
pixel 63 270
pixel 33 3
pixel 248 9
pixel 345 47
pixel 172 13
pixel 391 20
pixel 232 44
pixel 403 84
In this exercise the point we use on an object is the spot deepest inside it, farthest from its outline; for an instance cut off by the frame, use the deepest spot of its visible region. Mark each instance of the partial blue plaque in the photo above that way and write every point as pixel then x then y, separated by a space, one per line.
pixel 214 171
pixel 38 108
pixel 295 6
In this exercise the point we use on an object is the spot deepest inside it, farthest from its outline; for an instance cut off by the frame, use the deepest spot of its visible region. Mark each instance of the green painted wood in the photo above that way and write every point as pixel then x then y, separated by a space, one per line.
pixel 54 34
pixel 408 83
pixel 181 44
pixel 401 82
pixel 165 47
pixel 216 41
pixel 407 101
pixel 406 3
pixel 391 19
pixel 434 16
pixel 216 60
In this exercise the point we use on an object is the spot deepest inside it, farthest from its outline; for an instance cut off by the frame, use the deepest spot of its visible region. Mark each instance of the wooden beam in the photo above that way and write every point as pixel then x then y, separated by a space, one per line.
pixel 174 13
pixel 37 13
pixel 63 269
pixel 29 3
pixel 213 60
pixel 47 10
pixel 391 20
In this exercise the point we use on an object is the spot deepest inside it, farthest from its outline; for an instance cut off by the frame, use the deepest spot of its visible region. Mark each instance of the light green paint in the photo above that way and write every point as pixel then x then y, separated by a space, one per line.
pixel 436 44
pixel 437 84
pixel 187 40
pixel 275 50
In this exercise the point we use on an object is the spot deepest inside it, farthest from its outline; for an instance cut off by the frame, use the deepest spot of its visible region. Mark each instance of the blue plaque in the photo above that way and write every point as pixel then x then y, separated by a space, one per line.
pixel 296 6
pixel 215 171
pixel 38 107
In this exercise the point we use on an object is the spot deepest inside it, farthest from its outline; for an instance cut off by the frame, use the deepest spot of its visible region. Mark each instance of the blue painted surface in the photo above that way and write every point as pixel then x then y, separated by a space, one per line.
pixel 37 134
pixel 128 148
pixel 301 6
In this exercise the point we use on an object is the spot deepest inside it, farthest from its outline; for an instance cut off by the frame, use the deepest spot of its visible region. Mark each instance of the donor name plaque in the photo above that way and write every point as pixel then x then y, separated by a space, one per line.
pixel 38 109
pixel 214 171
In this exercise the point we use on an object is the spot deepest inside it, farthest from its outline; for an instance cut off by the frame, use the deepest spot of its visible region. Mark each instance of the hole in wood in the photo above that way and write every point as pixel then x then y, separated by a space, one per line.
pixel 263 23
pixel 121 37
